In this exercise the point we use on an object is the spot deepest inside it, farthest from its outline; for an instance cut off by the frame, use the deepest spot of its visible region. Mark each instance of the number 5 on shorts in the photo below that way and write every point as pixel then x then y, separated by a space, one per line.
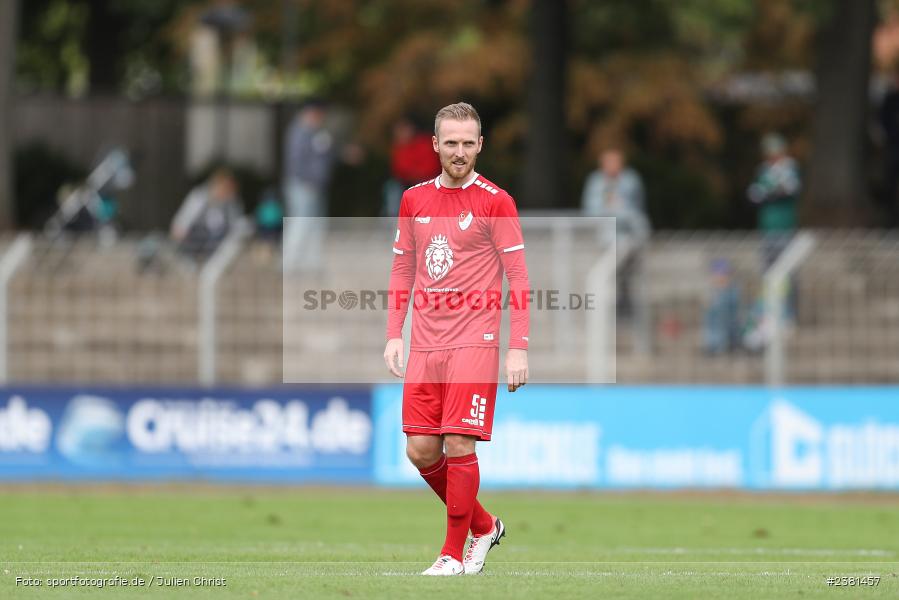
pixel 478 408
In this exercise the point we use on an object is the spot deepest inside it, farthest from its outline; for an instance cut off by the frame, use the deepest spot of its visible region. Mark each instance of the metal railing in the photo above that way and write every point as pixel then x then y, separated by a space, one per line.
pixel 12 260
pixel 209 277
pixel 87 313
pixel 776 284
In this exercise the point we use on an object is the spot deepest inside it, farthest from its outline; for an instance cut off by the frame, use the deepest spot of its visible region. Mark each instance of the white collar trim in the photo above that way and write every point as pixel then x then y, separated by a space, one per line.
pixel 472 179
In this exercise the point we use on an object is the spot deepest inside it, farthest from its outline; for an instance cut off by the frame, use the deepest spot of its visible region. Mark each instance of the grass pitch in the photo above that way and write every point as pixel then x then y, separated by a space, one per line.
pixel 312 543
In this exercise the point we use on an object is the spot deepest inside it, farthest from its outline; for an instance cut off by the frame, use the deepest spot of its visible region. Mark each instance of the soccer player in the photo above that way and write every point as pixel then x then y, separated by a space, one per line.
pixel 456 236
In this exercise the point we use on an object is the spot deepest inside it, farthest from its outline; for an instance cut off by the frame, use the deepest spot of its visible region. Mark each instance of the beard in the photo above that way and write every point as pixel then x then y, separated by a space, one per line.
pixel 458 172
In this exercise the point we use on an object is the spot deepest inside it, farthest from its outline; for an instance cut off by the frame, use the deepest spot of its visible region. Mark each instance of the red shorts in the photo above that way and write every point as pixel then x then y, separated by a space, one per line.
pixel 451 391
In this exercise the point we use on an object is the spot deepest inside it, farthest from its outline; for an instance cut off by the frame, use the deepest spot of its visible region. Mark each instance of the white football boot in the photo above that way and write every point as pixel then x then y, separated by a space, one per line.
pixel 445 565
pixel 480 546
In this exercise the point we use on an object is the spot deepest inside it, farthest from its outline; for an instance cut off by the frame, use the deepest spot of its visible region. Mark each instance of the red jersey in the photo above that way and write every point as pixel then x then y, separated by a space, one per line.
pixel 454 244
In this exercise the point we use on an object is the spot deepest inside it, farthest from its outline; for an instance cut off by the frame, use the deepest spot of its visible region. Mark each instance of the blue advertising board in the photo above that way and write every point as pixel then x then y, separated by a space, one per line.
pixel 543 436
pixel 673 437
pixel 279 434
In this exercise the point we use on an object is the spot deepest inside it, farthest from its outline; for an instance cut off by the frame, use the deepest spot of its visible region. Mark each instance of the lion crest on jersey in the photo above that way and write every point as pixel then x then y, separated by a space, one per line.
pixel 438 257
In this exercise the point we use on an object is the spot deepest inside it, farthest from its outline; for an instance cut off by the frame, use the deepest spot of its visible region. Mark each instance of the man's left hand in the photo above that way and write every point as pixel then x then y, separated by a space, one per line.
pixel 516 368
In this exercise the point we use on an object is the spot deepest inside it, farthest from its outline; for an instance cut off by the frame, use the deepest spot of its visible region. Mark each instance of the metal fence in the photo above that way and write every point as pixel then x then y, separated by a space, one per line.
pixel 137 312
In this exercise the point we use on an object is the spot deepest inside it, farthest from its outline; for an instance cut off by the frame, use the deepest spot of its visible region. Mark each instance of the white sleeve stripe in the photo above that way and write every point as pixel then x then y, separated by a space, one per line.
pixel 397 251
pixel 514 248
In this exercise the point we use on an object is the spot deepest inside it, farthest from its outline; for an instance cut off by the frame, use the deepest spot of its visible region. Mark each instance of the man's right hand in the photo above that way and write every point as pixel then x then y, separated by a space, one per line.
pixel 393 356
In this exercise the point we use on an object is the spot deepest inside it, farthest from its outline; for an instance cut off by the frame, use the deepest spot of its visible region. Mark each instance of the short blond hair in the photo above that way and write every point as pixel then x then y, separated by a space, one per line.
pixel 460 111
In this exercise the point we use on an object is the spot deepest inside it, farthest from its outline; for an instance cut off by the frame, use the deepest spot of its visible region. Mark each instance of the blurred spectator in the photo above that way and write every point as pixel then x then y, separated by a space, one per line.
pixel 412 160
pixel 207 215
pixel 616 190
pixel 309 156
pixel 268 216
pixel 309 160
pixel 721 322
pixel 776 192
pixel 889 119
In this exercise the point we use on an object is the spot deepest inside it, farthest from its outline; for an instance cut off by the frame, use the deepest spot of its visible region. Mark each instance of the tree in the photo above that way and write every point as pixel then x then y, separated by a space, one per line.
pixel 105 46
pixel 8 36
pixel 547 139
pixel 49 53
pixel 836 179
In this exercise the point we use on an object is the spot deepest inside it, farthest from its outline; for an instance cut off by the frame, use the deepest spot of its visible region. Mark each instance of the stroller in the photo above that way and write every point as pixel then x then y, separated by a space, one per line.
pixel 90 206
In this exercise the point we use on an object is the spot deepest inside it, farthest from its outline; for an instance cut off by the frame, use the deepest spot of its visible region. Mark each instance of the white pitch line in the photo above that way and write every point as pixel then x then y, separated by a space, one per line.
pixel 680 551
pixel 418 562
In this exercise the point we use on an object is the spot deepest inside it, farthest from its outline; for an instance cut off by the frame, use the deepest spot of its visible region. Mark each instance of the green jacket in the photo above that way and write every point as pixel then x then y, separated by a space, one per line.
pixel 776 191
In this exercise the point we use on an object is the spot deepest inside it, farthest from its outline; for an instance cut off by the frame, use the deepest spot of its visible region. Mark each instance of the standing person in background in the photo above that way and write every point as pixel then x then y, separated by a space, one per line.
pixel 616 190
pixel 776 192
pixel 412 159
pixel 309 155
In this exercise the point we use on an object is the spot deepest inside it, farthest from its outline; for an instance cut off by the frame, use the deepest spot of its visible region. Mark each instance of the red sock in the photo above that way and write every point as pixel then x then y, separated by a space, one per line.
pixel 462 480
pixel 435 476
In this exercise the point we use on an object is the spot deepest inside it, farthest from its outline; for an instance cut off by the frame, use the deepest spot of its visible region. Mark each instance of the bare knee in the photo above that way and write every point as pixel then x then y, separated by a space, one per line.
pixel 424 450
pixel 459 445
